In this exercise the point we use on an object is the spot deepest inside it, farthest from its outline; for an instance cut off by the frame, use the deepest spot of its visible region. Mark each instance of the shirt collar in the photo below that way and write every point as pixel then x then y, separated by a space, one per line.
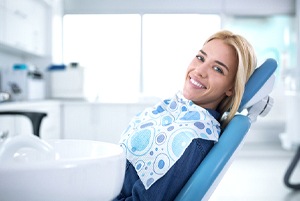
pixel 214 113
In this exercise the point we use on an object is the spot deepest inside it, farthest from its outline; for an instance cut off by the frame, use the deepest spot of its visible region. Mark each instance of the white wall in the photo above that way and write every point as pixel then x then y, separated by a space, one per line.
pixel 228 7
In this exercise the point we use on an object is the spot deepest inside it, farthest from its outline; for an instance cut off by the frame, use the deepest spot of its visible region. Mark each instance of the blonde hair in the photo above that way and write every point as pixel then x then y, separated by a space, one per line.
pixel 246 64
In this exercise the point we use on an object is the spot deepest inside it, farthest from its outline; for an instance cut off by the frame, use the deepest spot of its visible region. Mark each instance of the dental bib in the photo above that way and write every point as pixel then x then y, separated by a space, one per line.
pixel 156 138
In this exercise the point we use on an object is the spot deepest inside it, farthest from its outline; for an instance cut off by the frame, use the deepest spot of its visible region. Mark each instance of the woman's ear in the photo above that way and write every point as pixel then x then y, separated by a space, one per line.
pixel 229 92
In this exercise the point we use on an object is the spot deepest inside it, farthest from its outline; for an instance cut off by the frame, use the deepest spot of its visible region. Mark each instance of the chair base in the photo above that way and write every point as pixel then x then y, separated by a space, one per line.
pixel 290 171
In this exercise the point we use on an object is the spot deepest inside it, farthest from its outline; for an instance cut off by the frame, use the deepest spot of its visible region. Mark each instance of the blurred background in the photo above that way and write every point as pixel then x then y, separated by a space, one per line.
pixel 91 65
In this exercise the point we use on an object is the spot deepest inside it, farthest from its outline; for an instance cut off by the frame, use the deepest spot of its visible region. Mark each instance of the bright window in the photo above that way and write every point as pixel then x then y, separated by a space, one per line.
pixel 108 47
pixel 129 55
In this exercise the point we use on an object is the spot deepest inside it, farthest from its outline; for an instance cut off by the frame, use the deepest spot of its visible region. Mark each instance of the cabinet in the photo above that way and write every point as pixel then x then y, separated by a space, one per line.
pixel 98 121
pixel 23 25
pixel 72 119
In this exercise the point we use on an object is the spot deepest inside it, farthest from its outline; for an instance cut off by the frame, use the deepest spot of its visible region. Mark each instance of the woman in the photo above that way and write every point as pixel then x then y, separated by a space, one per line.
pixel 165 144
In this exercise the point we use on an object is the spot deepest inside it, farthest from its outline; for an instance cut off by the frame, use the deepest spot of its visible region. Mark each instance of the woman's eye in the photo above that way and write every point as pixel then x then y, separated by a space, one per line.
pixel 201 58
pixel 219 70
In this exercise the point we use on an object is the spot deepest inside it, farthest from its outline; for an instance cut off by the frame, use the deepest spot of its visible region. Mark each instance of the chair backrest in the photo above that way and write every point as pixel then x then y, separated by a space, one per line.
pixel 209 173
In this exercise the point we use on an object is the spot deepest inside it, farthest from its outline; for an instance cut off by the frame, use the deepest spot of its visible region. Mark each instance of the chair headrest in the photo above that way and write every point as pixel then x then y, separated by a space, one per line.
pixel 260 84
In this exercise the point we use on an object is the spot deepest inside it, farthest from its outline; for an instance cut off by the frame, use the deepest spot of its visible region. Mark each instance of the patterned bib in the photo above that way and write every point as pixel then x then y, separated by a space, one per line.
pixel 156 138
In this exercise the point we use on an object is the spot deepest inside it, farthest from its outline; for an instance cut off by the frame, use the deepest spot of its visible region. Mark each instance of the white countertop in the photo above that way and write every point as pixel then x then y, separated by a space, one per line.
pixel 46 102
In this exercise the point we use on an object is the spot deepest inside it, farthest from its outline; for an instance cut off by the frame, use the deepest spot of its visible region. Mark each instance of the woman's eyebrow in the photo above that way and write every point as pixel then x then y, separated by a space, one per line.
pixel 222 64
pixel 218 62
pixel 203 52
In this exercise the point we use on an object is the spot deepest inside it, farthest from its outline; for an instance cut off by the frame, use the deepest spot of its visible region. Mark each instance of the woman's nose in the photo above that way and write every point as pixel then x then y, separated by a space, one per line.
pixel 201 70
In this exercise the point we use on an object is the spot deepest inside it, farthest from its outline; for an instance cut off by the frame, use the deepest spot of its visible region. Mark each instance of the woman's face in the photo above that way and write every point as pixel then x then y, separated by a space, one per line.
pixel 211 74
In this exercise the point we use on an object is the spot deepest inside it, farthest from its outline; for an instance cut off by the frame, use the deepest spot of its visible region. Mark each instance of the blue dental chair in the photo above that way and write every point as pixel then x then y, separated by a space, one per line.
pixel 257 102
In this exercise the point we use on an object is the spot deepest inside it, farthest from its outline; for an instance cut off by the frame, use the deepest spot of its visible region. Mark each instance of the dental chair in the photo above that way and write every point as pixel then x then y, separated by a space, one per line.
pixel 289 172
pixel 255 102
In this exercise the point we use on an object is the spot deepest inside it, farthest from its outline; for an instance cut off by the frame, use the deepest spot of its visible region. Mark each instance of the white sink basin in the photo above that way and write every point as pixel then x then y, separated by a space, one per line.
pixel 60 170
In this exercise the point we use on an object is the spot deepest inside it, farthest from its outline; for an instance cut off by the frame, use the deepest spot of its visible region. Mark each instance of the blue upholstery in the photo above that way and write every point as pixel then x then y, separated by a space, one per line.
pixel 212 165
pixel 258 79
pixel 207 176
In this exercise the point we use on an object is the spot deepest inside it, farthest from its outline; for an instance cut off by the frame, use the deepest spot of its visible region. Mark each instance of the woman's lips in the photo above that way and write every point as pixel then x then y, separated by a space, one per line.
pixel 198 84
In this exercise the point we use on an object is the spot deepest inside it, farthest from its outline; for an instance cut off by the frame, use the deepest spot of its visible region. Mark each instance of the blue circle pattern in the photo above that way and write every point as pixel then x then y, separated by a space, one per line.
pixel 160 138
pixel 140 142
pixel 180 142
pixel 157 137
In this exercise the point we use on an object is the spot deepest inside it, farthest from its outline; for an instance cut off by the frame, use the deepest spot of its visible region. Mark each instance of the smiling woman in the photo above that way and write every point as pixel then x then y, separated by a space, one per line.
pixel 164 144
pixel 128 55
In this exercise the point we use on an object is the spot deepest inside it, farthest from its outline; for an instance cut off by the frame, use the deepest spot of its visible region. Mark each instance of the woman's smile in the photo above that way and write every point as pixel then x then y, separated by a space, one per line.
pixel 197 83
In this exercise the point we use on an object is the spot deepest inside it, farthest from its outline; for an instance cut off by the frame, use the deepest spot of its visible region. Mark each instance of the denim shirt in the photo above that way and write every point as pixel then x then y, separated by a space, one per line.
pixel 169 186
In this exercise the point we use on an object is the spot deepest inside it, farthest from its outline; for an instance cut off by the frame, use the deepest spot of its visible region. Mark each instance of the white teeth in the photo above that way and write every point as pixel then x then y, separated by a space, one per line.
pixel 197 83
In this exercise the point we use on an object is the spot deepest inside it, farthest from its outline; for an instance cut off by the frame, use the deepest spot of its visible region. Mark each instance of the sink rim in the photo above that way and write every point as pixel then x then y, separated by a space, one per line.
pixel 116 153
